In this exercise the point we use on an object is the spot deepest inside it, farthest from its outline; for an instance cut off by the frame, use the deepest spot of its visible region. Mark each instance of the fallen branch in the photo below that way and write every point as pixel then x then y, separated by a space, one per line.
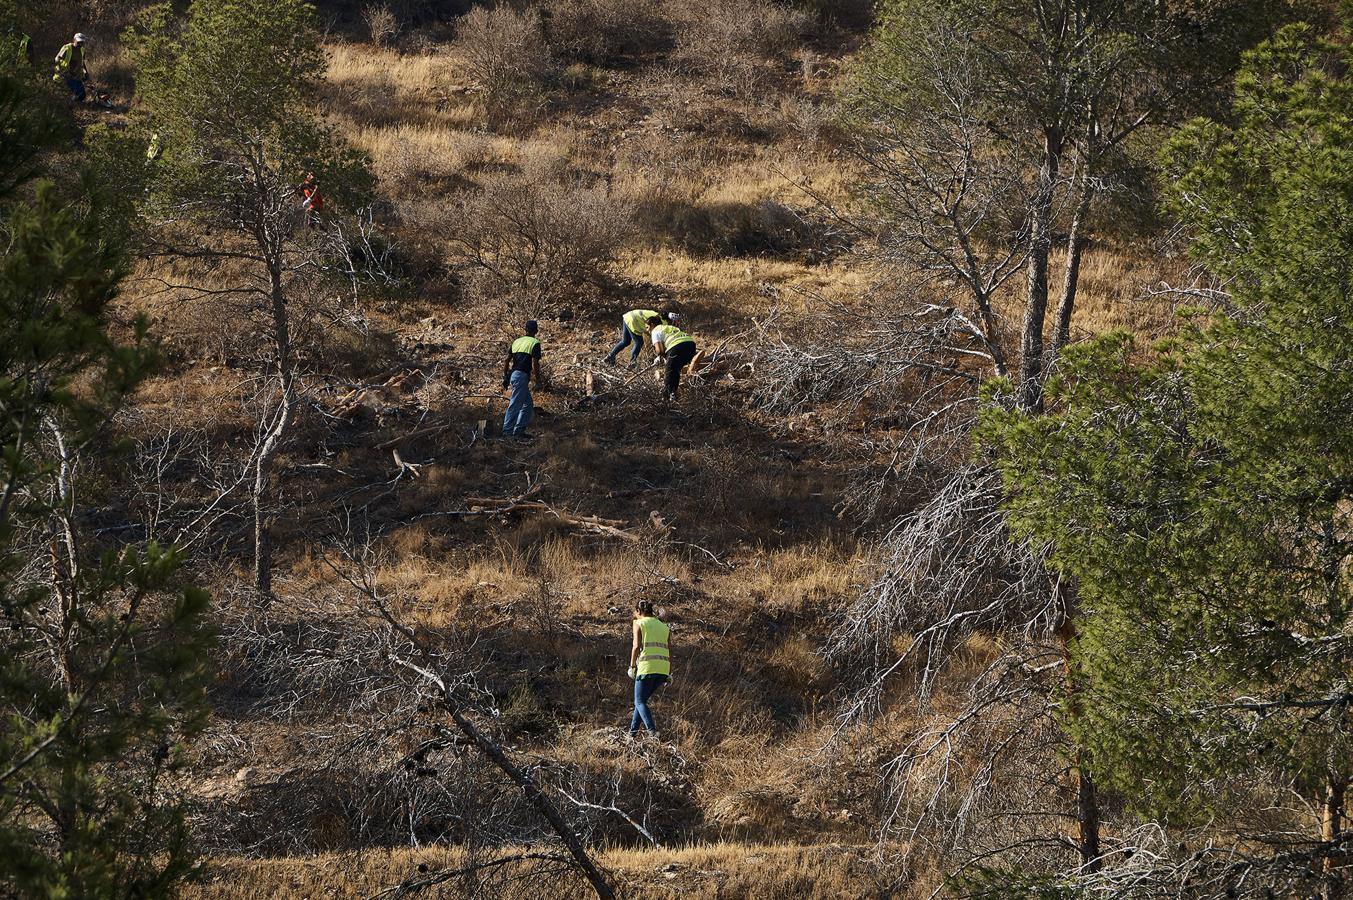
pixel 412 435
pixel 587 804
pixel 425 669
pixel 502 506
pixel 411 886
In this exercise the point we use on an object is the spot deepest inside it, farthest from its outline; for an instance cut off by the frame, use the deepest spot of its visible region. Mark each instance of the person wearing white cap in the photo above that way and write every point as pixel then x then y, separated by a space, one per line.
pixel 71 68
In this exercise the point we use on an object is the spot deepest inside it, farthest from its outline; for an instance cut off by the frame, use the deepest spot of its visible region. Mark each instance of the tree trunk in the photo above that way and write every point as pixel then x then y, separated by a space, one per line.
pixel 1331 832
pixel 272 438
pixel 1087 819
pixel 1036 300
pixel 1075 248
pixel 1087 797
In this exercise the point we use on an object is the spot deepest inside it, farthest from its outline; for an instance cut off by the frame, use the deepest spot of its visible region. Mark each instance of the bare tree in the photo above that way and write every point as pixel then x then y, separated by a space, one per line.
pixel 239 190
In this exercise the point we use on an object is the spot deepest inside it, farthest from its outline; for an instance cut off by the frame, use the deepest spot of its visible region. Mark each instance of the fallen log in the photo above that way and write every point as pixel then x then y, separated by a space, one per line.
pixel 504 506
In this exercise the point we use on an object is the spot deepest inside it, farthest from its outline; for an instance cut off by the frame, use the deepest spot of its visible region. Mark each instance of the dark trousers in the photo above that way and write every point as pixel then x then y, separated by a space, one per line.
pixel 76 88
pixel 627 337
pixel 678 358
pixel 644 686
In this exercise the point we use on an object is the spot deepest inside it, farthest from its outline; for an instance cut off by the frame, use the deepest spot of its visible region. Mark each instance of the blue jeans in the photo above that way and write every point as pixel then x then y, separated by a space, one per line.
pixel 520 409
pixel 626 338
pixel 644 686
pixel 77 89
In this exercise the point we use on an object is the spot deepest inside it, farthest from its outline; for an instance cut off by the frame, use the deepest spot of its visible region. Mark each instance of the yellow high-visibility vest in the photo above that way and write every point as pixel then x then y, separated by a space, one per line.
pixel 654 657
pixel 70 62
pixel 636 320
pixel 525 345
pixel 671 336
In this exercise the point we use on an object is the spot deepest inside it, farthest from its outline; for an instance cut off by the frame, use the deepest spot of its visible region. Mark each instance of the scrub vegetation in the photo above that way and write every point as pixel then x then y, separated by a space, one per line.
pixel 1004 536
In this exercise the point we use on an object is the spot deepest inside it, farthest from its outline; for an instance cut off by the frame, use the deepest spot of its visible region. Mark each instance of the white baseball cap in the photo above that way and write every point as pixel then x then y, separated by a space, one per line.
pixel 80 37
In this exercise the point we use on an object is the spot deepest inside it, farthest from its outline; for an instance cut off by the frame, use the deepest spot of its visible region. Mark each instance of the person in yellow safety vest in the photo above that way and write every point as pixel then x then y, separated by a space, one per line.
pixel 71 68
pixel 677 349
pixel 635 325
pixel 523 360
pixel 650 664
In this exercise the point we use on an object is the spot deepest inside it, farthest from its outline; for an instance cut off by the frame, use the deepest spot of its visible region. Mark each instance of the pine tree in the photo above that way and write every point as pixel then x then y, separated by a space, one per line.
pixel 1201 497
pixel 101 643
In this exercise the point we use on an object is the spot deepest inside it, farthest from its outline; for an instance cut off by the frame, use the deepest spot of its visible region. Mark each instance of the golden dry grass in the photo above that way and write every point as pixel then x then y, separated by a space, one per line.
pixel 746 705
pixel 1114 292
pixel 736 285
pixel 705 871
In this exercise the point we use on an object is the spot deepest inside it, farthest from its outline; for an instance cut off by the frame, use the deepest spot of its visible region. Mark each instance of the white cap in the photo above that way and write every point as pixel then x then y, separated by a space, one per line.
pixel 80 37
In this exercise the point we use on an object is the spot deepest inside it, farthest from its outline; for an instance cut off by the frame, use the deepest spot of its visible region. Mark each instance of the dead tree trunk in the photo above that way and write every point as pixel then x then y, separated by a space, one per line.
pixel 521 778
pixel 273 436
pixel 533 794
pixel 1087 819
pixel 482 742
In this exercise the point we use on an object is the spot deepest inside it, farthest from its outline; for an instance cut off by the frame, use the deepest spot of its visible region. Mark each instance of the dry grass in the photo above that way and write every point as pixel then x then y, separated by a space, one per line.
pixel 410 159
pixel 797 579
pixel 443 588
pixel 371 87
pixel 706 871
pixel 741 287
pixel 1113 292
pixel 718 175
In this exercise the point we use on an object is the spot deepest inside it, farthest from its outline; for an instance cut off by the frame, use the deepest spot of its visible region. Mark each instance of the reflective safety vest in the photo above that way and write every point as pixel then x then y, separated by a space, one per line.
pixel 671 336
pixel 636 320
pixel 70 62
pixel 525 345
pixel 653 653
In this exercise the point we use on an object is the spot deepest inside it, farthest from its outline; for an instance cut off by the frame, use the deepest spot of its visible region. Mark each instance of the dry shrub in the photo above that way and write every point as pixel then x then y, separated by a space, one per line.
pixel 729 41
pixel 382 26
pixel 505 53
pixel 604 32
pixel 536 237
pixel 761 227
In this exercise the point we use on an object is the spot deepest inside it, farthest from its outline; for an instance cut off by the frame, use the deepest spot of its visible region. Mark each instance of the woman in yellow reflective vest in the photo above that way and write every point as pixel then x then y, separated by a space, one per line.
pixel 650 663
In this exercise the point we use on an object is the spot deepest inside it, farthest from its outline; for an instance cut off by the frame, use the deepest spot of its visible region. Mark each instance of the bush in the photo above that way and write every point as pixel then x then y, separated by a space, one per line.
pixel 506 55
pixel 536 237
pixel 761 227
pixel 382 25
pixel 729 41
pixel 604 32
